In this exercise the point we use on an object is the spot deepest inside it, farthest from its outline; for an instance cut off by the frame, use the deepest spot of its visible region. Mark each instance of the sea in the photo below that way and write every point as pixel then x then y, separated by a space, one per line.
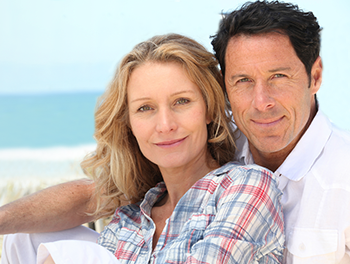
pixel 43 139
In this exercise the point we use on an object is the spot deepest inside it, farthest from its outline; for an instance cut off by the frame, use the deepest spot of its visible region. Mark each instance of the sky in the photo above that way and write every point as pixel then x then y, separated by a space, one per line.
pixel 69 46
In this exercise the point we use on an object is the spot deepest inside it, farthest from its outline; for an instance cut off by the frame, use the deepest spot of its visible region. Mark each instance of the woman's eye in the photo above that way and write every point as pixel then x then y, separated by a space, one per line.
pixel 182 101
pixel 144 108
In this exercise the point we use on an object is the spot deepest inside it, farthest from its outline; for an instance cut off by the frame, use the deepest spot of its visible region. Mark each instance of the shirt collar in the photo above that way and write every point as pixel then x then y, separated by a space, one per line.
pixel 156 193
pixel 152 196
pixel 243 154
pixel 303 156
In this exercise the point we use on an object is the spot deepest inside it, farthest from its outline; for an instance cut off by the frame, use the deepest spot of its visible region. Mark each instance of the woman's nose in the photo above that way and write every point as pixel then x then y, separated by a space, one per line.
pixel 165 121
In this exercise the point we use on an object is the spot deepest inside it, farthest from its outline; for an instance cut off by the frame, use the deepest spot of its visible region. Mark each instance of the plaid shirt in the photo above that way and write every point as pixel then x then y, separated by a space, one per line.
pixel 232 215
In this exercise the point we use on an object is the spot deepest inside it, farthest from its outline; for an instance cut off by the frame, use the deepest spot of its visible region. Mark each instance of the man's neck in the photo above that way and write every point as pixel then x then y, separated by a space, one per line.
pixel 272 161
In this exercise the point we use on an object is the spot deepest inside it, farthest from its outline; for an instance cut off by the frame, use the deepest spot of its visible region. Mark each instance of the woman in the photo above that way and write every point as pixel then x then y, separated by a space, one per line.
pixel 164 142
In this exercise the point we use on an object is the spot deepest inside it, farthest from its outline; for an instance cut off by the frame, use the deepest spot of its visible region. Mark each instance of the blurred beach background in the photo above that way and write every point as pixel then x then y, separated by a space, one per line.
pixel 57 57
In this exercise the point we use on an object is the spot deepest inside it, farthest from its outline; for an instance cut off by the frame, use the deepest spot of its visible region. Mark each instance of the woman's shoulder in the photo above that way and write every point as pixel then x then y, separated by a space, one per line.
pixel 235 174
pixel 235 169
pixel 127 213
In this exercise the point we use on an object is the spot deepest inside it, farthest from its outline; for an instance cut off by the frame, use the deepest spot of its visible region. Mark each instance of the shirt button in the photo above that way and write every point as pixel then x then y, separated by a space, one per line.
pixel 302 247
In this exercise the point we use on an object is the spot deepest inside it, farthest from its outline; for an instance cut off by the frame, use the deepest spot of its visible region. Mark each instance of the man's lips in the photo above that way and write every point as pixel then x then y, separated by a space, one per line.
pixel 267 122
pixel 170 143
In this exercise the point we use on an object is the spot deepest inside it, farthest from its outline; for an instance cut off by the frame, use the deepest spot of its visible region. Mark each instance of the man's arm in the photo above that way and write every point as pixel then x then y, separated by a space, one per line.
pixel 56 208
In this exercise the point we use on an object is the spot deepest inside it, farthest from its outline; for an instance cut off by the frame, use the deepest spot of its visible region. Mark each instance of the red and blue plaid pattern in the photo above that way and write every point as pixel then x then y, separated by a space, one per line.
pixel 232 215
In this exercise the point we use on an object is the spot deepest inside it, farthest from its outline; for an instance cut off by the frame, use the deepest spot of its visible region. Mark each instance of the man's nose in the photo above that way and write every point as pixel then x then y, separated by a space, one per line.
pixel 262 97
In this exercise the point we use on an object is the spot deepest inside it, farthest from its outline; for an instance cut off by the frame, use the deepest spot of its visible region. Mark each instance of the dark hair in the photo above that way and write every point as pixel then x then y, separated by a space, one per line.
pixel 259 17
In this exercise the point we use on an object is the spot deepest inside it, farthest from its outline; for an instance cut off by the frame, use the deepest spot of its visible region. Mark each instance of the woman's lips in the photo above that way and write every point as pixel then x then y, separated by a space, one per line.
pixel 170 143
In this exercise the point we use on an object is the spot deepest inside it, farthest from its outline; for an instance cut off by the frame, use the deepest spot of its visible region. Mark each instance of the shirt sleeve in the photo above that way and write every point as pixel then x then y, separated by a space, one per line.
pixel 109 236
pixel 248 225
pixel 75 251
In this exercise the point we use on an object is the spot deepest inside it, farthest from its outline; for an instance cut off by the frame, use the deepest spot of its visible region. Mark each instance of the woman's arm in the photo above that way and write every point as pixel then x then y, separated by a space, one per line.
pixel 248 225
pixel 241 223
pixel 56 208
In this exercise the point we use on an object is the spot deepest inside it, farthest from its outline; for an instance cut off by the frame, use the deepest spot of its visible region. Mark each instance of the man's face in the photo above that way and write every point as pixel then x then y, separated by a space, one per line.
pixel 269 91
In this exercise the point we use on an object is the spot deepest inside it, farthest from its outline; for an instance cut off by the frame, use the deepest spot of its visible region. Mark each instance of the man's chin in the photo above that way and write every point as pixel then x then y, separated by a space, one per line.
pixel 270 146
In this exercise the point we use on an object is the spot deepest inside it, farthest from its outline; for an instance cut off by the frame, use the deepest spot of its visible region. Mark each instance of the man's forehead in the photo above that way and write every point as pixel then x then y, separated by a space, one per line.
pixel 255 48
pixel 259 37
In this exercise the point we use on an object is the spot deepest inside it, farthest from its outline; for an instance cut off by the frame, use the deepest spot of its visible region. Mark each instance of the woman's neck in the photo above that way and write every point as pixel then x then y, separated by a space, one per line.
pixel 179 180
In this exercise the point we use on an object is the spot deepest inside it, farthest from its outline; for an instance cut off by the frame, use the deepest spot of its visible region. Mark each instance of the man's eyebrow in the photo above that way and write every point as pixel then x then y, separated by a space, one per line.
pixel 272 71
pixel 237 76
pixel 280 69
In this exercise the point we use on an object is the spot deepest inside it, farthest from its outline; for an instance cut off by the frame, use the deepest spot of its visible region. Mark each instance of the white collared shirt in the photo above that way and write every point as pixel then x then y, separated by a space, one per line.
pixel 315 182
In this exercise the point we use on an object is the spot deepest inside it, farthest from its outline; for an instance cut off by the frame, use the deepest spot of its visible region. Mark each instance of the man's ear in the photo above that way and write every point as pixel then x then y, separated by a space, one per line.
pixel 316 75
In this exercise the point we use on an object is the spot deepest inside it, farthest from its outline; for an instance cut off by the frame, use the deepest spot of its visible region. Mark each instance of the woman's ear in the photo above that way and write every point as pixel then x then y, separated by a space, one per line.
pixel 208 119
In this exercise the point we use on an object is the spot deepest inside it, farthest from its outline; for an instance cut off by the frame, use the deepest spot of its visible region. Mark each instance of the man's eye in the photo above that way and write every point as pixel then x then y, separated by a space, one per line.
pixel 144 108
pixel 279 75
pixel 182 101
pixel 243 80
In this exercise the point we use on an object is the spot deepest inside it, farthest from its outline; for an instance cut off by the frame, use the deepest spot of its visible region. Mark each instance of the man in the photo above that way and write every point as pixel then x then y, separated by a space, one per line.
pixel 269 56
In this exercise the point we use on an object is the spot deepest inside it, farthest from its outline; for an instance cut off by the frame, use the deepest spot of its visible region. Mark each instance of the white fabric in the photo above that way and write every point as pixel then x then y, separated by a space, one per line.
pixel 315 182
pixel 73 251
pixel 22 248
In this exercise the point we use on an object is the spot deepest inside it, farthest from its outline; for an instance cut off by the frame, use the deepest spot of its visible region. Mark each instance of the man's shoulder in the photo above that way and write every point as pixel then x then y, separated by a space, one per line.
pixel 339 141
pixel 341 134
pixel 333 160
pixel 335 139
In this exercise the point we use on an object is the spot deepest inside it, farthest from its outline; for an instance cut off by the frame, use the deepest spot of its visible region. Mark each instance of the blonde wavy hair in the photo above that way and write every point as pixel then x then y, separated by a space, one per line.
pixel 120 171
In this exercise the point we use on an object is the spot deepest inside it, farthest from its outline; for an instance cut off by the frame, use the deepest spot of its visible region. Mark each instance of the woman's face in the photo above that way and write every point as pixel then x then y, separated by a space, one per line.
pixel 167 115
